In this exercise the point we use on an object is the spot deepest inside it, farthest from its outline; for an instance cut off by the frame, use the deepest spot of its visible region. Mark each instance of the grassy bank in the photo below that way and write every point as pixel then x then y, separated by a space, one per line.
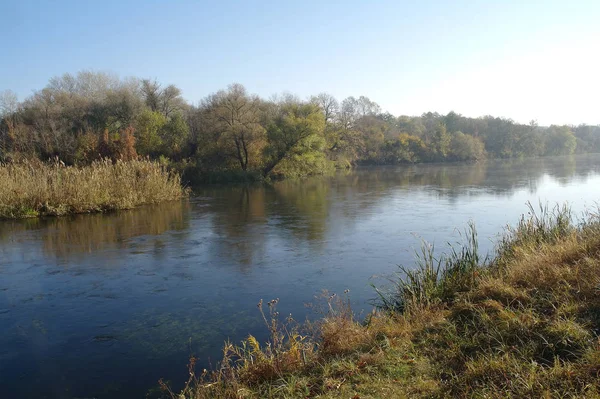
pixel 40 189
pixel 523 324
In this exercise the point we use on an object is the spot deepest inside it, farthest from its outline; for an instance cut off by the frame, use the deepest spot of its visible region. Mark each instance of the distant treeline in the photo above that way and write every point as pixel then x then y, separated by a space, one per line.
pixel 92 115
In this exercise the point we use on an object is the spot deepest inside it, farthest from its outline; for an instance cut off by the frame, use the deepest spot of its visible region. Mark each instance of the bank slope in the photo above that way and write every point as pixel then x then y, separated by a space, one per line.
pixel 523 325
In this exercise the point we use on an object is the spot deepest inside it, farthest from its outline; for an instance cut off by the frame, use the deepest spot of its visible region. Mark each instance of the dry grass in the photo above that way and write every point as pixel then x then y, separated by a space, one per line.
pixel 41 189
pixel 523 325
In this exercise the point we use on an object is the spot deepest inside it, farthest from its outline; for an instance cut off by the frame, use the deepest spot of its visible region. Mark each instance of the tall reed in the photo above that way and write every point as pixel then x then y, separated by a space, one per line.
pixel 30 189
pixel 434 279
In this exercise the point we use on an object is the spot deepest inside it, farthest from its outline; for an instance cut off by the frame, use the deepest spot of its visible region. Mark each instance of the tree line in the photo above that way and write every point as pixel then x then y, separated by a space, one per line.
pixel 81 118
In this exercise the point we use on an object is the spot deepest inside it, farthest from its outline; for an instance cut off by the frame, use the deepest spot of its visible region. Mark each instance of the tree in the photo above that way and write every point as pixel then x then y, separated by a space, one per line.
pixel 588 138
pixel 8 120
pixel 118 111
pixel 430 121
pixel 404 149
pixel 452 121
pixel 328 104
pixel 364 107
pixel 500 137
pixel 166 101
pixel 292 133
pixel 236 118
pixel 410 125
pixel 148 128
pixel 358 129
pixel 464 147
pixel 371 137
pixel 441 141
pixel 88 85
pixel 170 101
pixel 560 141
pixel 174 135
pixel 8 103
pixel 126 148
pixel 530 141
pixel 151 92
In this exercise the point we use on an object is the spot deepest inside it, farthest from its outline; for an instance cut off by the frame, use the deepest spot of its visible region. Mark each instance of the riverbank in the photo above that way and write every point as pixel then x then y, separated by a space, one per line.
pixel 523 324
pixel 33 189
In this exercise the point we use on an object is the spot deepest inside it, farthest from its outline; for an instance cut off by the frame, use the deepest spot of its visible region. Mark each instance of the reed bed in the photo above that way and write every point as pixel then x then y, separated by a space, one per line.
pixel 32 189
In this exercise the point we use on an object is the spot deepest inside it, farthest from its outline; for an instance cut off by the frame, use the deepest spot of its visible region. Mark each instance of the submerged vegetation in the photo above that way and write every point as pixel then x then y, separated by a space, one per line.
pixel 32 189
pixel 234 135
pixel 522 324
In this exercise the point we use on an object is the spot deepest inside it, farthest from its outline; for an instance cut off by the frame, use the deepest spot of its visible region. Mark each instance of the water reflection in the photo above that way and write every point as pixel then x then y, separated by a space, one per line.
pixel 304 209
pixel 134 293
pixel 79 235
pixel 298 208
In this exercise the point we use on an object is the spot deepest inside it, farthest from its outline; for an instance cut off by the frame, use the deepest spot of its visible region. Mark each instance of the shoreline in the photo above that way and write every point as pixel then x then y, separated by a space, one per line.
pixel 523 324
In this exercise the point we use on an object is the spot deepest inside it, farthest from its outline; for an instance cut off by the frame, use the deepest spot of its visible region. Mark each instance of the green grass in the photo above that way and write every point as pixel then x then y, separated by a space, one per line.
pixel 523 324
pixel 42 189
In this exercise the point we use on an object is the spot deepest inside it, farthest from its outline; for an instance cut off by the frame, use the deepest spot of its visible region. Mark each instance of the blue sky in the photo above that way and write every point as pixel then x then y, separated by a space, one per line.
pixel 520 59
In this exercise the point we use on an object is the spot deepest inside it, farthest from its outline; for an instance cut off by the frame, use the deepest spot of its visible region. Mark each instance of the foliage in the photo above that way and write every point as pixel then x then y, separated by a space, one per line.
pixel 294 136
pixel 442 139
pixel 234 117
pixel 561 141
pixel 405 149
pixel 148 127
pixel 233 131
pixel 466 148
pixel 173 136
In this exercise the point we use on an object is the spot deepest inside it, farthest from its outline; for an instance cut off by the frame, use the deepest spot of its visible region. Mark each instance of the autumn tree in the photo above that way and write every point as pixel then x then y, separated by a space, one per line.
pixel 328 105
pixel 167 100
pixel 235 116
pixel 464 147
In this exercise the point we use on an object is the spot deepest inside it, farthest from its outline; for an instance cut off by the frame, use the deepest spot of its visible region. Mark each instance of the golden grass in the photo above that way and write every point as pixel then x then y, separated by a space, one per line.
pixel 40 189
pixel 524 325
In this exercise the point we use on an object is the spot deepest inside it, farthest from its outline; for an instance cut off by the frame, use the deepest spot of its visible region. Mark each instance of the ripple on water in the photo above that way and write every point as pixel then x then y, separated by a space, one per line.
pixel 104 338
pixel 135 293
pixel 145 273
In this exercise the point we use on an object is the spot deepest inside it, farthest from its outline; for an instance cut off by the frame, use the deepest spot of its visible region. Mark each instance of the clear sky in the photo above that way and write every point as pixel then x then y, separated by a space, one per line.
pixel 513 58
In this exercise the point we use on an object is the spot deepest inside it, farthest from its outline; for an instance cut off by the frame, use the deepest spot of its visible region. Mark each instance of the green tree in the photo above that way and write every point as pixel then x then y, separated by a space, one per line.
pixel 174 135
pixel 148 127
pixel 560 140
pixel 404 149
pixel 500 137
pixel 530 141
pixel 441 141
pixel 293 134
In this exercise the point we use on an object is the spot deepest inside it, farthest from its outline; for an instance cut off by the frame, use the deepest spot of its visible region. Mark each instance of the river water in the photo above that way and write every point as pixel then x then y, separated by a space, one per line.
pixel 104 305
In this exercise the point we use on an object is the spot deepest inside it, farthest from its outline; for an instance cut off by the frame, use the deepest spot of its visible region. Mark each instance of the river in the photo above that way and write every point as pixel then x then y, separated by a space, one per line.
pixel 104 305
